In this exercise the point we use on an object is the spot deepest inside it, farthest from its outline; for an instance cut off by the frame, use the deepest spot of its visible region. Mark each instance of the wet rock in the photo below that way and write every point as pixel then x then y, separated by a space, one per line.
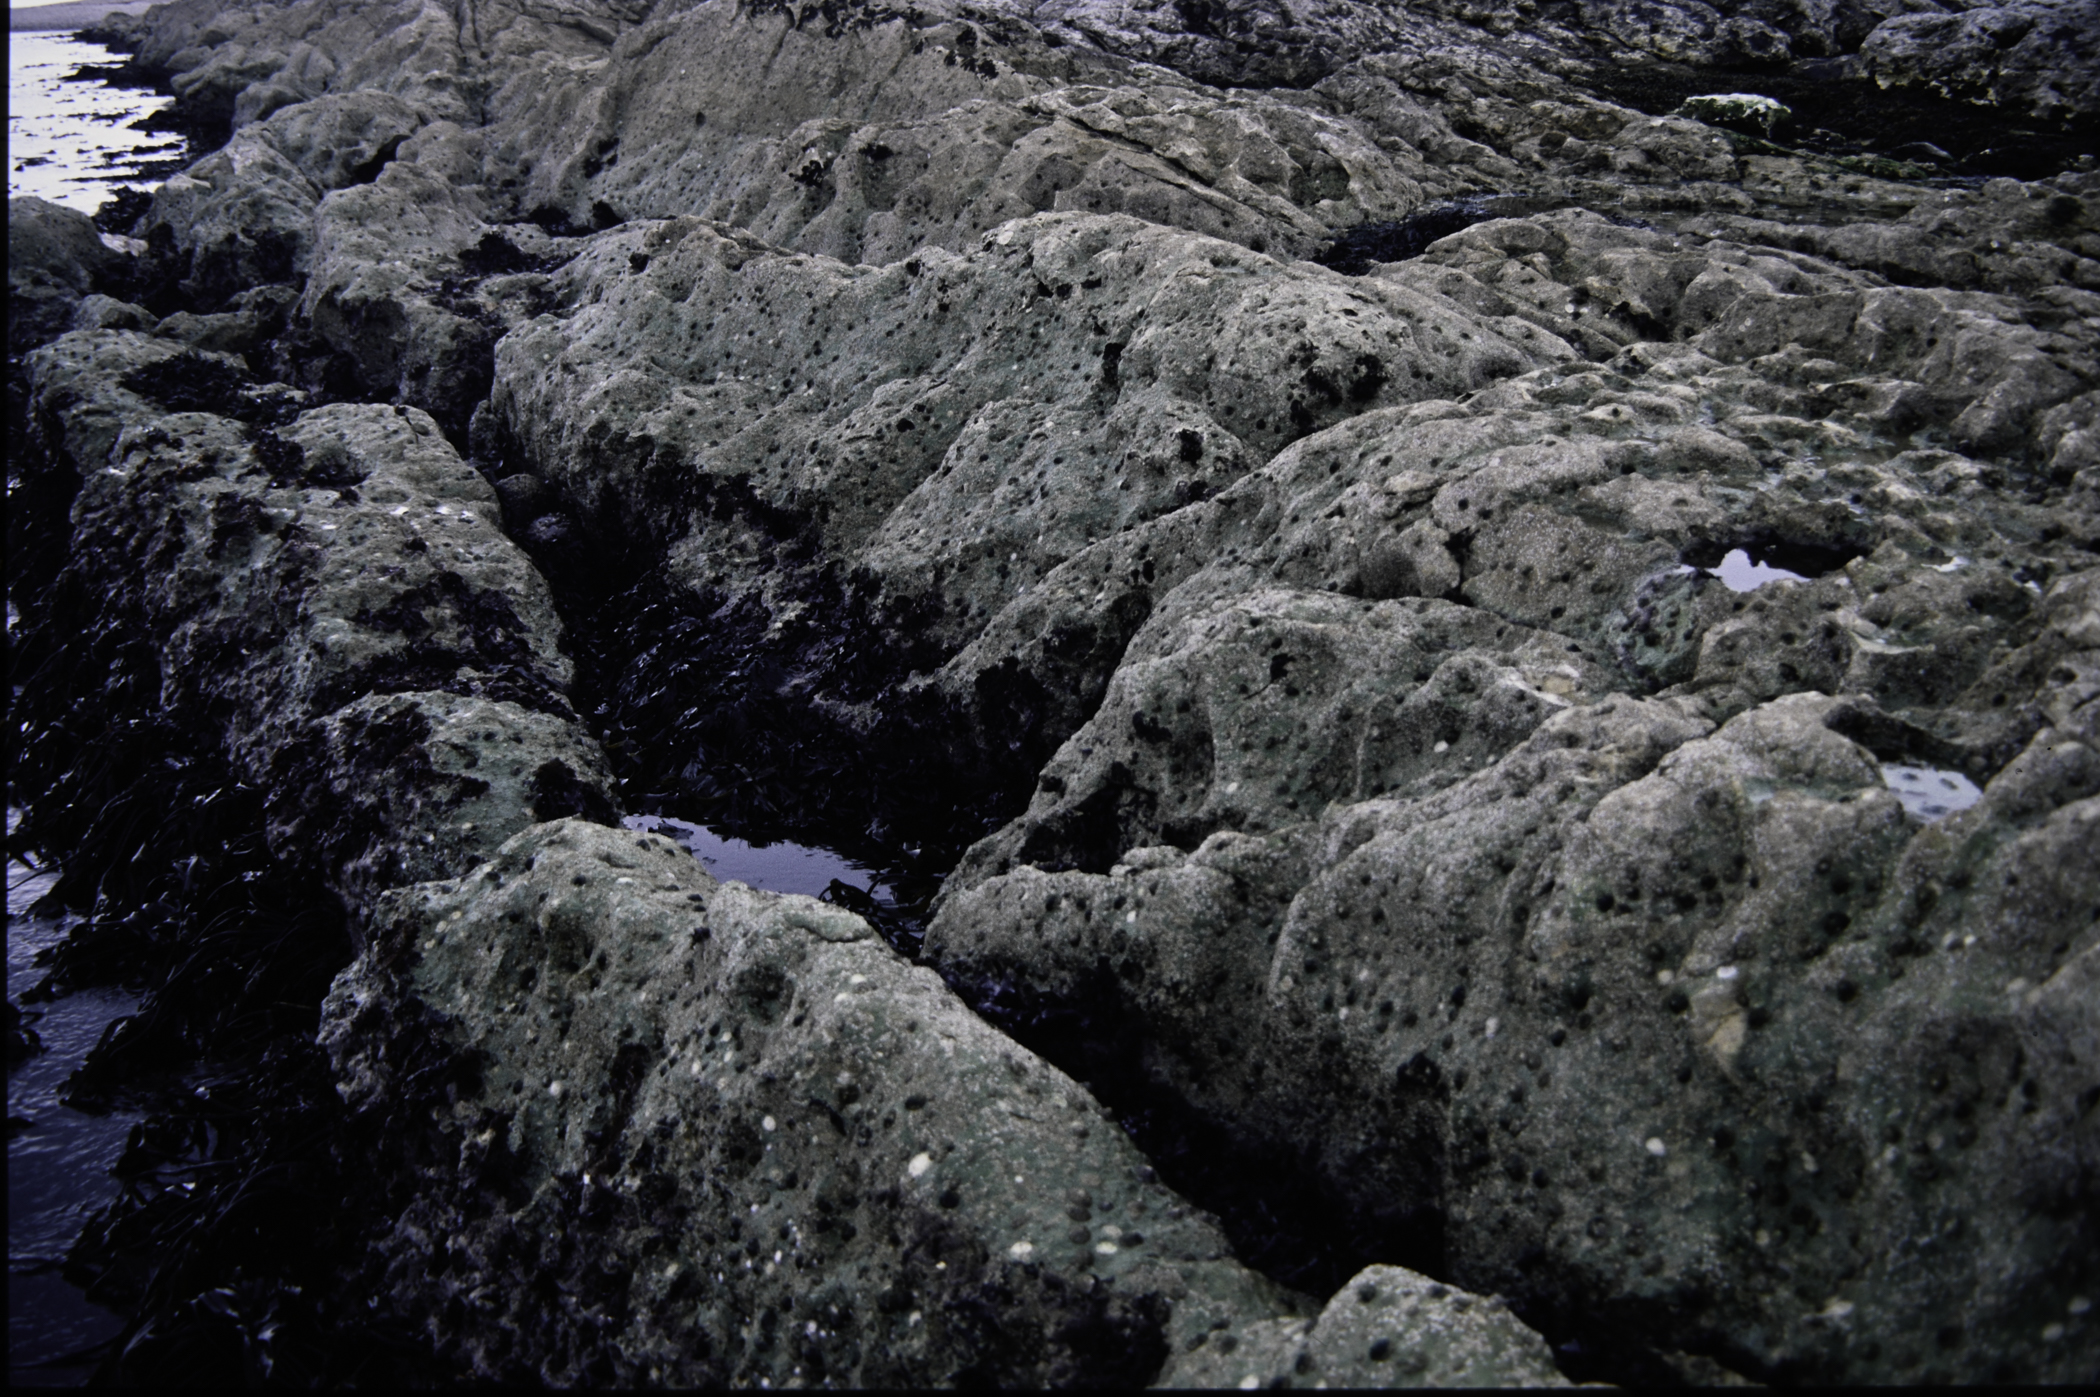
pixel 784 1117
pixel 252 319
pixel 2009 55
pixel 1252 714
pixel 1474 730
pixel 241 217
pixel 55 260
pixel 1074 377
pixel 1387 1327
pixel 331 589
pixel 1740 111
pixel 1620 1041
pixel 370 295
pixel 344 139
pixel 99 312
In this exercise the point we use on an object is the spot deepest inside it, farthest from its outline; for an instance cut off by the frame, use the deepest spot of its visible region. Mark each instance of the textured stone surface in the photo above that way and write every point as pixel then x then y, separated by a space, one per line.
pixel 2003 54
pixel 1628 1026
pixel 1432 780
pixel 332 595
pixel 1387 1327
pixel 55 261
pixel 755 1145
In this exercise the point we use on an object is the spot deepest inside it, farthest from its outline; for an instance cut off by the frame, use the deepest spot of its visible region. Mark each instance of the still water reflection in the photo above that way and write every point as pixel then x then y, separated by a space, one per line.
pixel 58 1158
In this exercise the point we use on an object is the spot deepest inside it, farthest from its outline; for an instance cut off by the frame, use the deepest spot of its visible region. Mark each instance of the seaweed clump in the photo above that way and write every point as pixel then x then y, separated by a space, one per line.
pixel 1355 251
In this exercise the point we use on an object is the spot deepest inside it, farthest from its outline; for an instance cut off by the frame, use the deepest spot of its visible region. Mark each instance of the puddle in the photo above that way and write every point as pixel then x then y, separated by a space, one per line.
pixel 1930 793
pixel 1744 573
pixel 1745 567
pixel 780 868
pixel 58 1159
pixel 73 143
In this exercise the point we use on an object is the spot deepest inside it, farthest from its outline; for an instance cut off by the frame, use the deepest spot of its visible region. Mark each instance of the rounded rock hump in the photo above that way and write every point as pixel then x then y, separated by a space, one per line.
pixel 56 259
pixel 1738 111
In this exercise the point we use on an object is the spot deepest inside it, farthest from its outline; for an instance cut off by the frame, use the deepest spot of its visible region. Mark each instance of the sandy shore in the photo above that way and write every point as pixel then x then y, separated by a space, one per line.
pixel 73 16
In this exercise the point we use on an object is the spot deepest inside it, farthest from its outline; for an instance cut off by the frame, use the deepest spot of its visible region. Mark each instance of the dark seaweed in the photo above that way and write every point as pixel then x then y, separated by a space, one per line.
pixel 122 210
pixel 1356 250
pixel 1837 115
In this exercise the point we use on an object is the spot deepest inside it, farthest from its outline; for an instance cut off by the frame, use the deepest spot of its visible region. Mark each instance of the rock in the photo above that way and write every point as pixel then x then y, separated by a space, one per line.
pixel 801 1124
pixel 55 260
pixel 1740 111
pixel 918 474
pixel 1387 1327
pixel 334 592
pixel 370 296
pixel 343 139
pixel 1568 746
pixel 245 215
pixel 2009 55
pixel 1561 951
pixel 252 320
pixel 99 312
pixel 239 218
pixel 1252 714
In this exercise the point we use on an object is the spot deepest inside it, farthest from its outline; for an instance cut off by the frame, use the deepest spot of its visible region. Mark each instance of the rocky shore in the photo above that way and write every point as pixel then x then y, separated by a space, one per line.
pixel 1472 635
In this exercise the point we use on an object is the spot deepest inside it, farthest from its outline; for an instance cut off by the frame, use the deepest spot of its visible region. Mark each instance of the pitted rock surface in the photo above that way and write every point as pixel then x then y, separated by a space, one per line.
pixel 1460 560
pixel 55 260
pixel 827 1168
pixel 1387 1327
pixel 331 595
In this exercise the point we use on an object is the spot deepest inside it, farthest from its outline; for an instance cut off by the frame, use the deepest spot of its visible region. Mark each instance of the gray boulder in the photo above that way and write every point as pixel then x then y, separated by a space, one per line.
pixel 1387 1327
pixel 1577 740
pixel 754 1145
pixel 2004 55
pixel 334 594
pixel 1622 1050
pixel 55 261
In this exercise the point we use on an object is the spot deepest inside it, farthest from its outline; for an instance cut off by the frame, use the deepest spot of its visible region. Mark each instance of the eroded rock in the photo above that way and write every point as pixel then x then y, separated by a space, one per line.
pixel 834 1170
pixel 331 594
pixel 56 262
pixel 1476 711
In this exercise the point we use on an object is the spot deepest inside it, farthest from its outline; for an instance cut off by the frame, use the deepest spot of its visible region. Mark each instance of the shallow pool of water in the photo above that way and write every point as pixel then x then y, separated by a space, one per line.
pixel 780 868
pixel 72 142
pixel 1930 793
pixel 58 1159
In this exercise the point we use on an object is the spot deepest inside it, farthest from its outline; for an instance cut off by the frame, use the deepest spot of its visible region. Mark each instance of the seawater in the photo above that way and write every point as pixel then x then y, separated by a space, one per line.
pixel 72 142
pixel 68 142
pixel 58 1159
pixel 781 867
